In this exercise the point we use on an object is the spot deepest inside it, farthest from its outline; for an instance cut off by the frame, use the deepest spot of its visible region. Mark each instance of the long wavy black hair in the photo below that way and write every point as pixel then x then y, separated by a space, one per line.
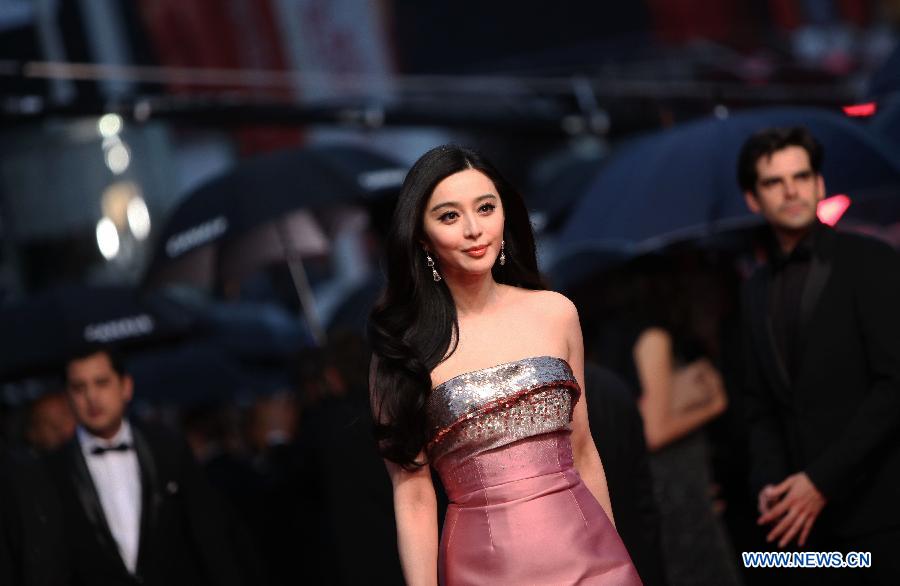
pixel 414 322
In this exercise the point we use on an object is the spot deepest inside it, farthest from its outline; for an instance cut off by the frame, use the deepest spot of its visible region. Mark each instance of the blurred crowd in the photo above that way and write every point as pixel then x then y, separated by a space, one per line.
pixel 296 472
pixel 207 483
pixel 293 475
pixel 301 496
pixel 249 429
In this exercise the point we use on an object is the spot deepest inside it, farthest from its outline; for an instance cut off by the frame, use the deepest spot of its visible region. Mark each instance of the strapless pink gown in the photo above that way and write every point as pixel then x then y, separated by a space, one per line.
pixel 519 513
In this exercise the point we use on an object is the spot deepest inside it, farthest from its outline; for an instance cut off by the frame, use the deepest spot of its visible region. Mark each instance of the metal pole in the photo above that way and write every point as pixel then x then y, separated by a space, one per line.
pixel 301 285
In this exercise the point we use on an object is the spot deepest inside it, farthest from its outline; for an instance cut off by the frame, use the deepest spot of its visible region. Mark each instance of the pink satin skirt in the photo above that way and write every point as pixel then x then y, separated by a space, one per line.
pixel 520 514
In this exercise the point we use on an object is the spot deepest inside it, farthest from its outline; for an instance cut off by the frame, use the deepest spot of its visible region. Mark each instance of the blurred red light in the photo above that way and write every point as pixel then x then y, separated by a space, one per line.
pixel 831 209
pixel 861 110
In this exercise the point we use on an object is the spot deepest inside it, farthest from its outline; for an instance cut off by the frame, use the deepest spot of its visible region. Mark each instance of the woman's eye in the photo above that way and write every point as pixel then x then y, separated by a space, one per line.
pixel 488 207
pixel 446 217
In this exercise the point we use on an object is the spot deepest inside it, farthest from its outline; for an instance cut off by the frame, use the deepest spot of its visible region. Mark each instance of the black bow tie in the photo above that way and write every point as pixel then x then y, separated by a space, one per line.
pixel 100 450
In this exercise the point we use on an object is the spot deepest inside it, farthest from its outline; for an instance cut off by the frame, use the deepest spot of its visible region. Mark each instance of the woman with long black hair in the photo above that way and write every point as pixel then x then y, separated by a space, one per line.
pixel 477 371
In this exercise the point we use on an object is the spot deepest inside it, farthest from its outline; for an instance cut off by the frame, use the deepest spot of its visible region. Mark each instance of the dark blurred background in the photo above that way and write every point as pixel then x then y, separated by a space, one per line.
pixel 207 184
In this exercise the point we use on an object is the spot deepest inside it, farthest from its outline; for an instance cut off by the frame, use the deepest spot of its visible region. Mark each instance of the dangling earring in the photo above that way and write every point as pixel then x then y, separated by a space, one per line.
pixel 430 262
pixel 502 253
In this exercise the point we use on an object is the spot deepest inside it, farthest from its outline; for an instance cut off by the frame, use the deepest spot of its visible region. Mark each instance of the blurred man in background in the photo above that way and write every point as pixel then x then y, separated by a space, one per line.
pixel 136 508
pixel 349 535
pixel 32 547
pixel 822 391
pixel 51 422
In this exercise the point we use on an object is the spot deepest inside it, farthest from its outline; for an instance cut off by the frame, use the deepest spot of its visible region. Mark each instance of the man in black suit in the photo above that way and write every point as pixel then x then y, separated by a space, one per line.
pixel 822 326
pixel 349 534
pixel 136 508
pixel 32 550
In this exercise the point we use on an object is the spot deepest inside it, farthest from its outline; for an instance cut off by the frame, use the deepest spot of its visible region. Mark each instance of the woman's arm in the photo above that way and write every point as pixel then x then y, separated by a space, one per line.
pixel 415 509
pixel 584 451
pixel 655 368
pixel 695 384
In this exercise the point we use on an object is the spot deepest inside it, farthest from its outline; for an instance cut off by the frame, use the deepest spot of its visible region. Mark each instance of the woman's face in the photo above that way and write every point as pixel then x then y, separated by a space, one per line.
pixel 463 223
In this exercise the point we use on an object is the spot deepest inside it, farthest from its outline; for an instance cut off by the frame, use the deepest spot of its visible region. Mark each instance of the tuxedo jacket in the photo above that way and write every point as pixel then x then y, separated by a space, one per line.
pixel 184 535
pixel 32 547
pixel 838 418
pixel 347 496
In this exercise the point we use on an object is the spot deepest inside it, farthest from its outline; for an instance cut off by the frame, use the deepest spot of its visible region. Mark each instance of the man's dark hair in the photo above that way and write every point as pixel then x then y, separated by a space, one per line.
pixel 116 359
pixel 770 140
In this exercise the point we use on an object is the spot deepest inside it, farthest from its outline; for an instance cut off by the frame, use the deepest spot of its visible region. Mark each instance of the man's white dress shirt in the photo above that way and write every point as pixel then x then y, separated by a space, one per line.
pixel 117 478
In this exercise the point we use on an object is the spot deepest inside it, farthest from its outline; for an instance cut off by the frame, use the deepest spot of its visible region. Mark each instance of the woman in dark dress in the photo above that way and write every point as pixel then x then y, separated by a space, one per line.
pixel 652 342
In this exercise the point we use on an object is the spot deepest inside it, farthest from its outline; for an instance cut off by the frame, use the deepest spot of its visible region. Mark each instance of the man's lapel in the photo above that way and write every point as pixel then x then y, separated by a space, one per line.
pixel 764 334
pixel 150 495
pixel 819 272
pixel 90 499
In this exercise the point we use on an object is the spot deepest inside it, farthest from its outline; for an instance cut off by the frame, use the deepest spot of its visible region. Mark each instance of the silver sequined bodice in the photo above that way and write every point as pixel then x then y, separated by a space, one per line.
pixel 485 409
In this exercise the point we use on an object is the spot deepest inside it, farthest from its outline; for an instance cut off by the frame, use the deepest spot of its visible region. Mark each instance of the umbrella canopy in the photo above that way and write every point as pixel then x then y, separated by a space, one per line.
pixel 39 334
pixel 557 182
pixel 258 211
pixel 573 267
pixel 886 122
pixel 681 183
pixel 255 332
pixel 179 348
pixel 352 314
pixel 886 79
pixel 237 350
pixel 185 374
pixel 199 373
pixel 884 90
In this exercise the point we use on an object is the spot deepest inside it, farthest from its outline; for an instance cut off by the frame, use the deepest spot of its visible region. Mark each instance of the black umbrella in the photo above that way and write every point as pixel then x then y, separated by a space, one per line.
pixel 557 182
pixel 680 184
pixel 237 350
pixel 199 373
pixel 886 79
pixel 185 374
pixel 40 333
pixel 255 332
pixel 884 89
pixel 259 212
pixel 571 268
pixel 352 312
pixel 886 122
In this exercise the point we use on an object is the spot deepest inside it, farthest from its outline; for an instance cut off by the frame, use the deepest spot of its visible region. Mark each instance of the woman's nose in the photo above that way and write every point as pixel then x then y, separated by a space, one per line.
pixel 472 227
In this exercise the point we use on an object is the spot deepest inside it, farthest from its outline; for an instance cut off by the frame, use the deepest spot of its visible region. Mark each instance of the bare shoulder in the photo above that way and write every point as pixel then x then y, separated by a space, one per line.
pixel 653 340
pixel 558 319
pixel 552 304
pixel 545 305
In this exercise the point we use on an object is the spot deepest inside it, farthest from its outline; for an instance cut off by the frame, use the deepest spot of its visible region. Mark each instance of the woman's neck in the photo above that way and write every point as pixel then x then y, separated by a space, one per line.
pixel 472 293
